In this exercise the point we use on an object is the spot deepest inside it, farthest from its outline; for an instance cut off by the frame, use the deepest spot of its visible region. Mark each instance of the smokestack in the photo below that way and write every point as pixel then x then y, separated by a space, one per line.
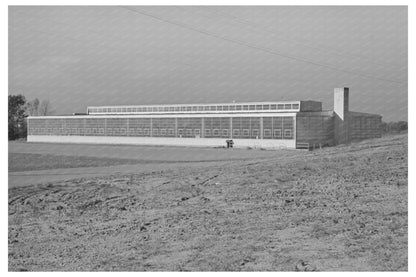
pixel 341 102
pixel 341 107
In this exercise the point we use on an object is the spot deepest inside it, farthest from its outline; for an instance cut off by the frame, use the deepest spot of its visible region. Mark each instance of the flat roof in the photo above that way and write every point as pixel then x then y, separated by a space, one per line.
pixel 249 107
pixel 163 115
pixel 202 104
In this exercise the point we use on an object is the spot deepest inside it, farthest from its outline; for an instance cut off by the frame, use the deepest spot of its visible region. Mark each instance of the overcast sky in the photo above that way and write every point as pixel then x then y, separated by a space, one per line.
pixel 80 56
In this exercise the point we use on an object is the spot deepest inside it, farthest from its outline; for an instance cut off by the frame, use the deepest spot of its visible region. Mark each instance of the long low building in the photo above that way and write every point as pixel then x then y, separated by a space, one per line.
pixel 270 125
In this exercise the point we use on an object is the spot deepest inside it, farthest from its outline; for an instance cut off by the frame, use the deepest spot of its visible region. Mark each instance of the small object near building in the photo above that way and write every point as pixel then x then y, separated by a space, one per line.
pixel 267 125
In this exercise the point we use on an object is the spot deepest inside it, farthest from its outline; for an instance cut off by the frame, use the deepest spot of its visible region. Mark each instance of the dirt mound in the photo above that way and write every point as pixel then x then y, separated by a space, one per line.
pixel 341 208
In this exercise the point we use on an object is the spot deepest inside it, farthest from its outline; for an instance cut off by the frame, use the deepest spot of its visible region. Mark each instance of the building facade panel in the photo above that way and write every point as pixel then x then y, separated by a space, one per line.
pixel 169 141
pixel 257 124
pixel 315 129
pixel 364 127
pixel 209 127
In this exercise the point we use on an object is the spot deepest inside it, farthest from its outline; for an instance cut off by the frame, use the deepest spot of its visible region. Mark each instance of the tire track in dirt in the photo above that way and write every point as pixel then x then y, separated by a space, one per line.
pixel 344 211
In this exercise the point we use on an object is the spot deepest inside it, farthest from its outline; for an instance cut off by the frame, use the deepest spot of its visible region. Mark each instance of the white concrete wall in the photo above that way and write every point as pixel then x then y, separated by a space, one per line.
pixel 197 142
pixel 341 110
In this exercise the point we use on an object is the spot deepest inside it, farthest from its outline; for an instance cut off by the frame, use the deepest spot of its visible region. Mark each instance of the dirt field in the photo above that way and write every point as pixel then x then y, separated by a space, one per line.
pixel 336 209
pixel 37 163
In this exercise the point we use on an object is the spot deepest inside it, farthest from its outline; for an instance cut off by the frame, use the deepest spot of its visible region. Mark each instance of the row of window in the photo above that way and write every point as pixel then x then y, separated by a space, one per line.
pixel 193 123
pixel 243 127
pixel 366 123
pixel 267 133
pixel 200 108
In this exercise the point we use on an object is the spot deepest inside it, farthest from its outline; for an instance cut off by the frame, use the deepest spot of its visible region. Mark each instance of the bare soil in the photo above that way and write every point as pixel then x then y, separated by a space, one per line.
pixel 337 209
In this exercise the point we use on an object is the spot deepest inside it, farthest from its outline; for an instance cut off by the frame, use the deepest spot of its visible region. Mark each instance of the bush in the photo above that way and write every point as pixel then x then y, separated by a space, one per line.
pixel 394 127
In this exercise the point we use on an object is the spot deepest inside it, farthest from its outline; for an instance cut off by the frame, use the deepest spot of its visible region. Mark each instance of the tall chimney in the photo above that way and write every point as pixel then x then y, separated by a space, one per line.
pixel 341 107
pixel 341 102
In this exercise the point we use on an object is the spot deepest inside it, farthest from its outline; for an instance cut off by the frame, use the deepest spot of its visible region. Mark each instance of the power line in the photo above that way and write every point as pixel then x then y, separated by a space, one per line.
pixel 322 49
pixel 262 49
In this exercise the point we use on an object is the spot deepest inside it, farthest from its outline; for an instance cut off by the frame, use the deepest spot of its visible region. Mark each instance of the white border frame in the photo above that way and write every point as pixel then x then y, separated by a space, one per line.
pixel 411 117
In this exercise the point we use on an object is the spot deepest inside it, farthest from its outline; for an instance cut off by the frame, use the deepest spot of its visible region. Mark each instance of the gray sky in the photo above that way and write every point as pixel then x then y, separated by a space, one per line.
pixel 80 56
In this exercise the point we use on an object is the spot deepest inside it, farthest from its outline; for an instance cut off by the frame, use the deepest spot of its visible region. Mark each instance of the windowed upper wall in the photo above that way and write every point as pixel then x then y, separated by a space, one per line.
pixel 282 127
pixel 219 108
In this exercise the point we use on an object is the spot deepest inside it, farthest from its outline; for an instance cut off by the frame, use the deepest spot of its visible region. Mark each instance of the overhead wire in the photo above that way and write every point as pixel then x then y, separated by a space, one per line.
pixel 260 48
pixel 325 50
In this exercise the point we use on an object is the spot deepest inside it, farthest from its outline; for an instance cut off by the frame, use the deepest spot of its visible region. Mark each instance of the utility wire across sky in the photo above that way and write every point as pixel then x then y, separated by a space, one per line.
pixel 262 49
pixel 322 49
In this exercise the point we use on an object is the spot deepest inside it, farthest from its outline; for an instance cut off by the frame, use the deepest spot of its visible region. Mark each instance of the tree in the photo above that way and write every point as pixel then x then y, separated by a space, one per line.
pixel 17 122
pixel 44 108
pixel 394 127
pixel 36 108
pixel 32 107
pixel 402 126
